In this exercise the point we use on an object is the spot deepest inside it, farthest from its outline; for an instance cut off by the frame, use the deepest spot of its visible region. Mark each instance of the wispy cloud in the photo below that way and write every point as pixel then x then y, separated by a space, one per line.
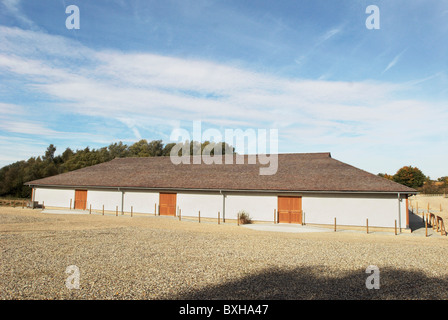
pixel 146 91
pixel 329 34
pixel 394 61
pixel 15 10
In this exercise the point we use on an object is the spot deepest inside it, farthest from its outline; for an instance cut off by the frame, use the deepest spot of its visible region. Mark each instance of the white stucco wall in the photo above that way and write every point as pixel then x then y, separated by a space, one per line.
pixel 54 197
pixel 109 198
pixel 260 207
pixel 353 210
pixel 349 209
pixel 141 202
pixel 208 203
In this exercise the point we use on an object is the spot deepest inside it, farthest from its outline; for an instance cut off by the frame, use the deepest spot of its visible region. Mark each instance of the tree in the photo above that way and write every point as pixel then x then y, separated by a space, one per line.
pixel 443 180
pixel 140 149
pixel 167 149
pixel 385 175
pixel 49 154
pixel 410 176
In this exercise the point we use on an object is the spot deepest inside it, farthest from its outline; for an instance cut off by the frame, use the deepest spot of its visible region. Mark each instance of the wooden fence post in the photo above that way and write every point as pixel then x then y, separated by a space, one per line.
pixel 335 224
pixel 275 216
pixel 180 214
pixel 70 204
pixel 132 209
pixel 426 227
pixel 367 225
pixel 238 218
pixel 199 216
pixel 155 208
pixel 395 227
pixel 103 209
pixel 90 209
pixel 116 211
pixel 218 217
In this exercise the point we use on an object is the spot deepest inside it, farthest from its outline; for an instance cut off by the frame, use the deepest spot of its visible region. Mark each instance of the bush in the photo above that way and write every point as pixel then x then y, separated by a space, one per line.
pixel 244 217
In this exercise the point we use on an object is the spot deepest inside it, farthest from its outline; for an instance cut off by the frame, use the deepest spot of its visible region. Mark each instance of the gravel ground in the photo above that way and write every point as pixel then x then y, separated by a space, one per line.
pixel 162 258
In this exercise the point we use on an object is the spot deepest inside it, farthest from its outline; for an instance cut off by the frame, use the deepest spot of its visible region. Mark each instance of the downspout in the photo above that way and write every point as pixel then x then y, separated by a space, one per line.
pixel 399 212
pixel 223 206
pixel 122 200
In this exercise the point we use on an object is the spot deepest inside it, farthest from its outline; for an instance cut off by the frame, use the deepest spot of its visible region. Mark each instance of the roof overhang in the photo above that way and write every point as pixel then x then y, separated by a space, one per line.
pixel 129 188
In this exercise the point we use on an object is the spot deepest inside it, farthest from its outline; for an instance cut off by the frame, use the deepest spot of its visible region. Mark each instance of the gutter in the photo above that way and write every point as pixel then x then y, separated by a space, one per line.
pixel 227 190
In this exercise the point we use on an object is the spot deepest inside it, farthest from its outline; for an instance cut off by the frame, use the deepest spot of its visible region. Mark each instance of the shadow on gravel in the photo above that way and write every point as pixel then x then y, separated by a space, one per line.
pixel 319 283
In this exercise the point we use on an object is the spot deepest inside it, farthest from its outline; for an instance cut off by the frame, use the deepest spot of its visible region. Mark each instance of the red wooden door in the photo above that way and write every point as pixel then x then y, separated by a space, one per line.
pixel 167 204
pixel 289 209
pixel 80 199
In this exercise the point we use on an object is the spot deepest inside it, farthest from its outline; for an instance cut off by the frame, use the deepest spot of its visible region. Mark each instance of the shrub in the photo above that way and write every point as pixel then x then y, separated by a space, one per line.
pixel 244 217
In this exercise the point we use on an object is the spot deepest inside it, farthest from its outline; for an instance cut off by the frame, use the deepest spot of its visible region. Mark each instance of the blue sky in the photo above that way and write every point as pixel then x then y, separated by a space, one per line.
pixel 377 99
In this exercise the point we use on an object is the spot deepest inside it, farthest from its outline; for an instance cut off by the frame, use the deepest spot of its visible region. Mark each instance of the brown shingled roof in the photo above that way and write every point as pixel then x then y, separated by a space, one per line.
pixel 296 172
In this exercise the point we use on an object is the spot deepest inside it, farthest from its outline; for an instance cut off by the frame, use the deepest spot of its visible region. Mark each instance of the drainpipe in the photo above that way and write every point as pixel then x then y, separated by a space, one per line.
pixel 122 200
pixel 399 211
pixel 223 206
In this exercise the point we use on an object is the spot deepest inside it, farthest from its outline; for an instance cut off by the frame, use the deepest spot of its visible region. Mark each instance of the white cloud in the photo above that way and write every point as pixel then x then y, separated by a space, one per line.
pixel 152 91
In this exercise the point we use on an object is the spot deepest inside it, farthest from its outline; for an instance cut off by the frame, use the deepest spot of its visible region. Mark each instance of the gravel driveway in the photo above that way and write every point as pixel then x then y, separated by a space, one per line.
pixel 163 258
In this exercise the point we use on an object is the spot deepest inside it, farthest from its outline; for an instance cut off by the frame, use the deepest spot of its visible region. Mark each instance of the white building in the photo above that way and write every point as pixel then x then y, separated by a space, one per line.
pixel 312 188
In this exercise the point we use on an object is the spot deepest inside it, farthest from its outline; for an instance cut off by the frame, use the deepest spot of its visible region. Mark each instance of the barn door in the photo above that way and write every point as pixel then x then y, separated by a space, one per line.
pixel 80 199
pixel 167 204
pixel 289 209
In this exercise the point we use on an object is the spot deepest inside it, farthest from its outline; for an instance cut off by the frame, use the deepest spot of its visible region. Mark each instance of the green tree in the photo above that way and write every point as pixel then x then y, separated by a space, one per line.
pixel 49 154
pixel 410 176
